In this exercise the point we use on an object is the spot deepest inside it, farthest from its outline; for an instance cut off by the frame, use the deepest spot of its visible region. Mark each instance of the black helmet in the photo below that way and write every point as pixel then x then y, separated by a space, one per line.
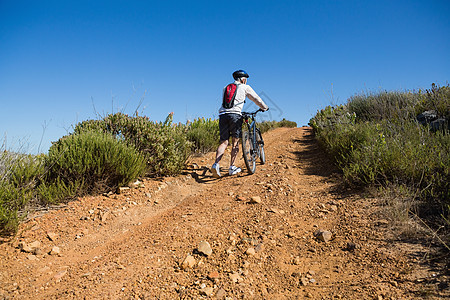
pixel 239 73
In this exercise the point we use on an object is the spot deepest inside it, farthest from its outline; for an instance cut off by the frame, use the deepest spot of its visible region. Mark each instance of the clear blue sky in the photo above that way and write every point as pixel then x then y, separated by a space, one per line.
pixel 59 59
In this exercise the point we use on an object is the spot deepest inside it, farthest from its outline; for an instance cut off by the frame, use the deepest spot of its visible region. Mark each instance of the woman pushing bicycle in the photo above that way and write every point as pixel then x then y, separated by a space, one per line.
pixel 230 118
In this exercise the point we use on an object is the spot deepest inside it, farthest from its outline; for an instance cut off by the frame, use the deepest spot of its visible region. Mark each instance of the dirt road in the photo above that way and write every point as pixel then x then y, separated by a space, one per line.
pixel 262 230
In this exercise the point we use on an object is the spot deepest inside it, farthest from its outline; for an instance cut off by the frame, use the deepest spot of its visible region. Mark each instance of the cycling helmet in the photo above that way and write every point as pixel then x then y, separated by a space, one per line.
pixel 239 73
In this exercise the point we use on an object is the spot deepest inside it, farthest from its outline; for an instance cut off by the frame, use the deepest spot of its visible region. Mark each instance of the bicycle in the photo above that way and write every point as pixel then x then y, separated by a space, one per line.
pixel 252 142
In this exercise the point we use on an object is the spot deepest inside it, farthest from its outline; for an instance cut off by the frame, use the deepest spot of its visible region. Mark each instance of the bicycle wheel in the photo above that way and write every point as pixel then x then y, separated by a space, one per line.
pixel 260 143
pixel 248 152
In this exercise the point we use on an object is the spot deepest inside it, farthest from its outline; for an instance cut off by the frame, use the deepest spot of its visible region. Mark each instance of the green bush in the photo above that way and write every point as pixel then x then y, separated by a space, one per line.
pixel 19 175
pixel 164 145
pixel 204 135
pixel 269 125
pixel 384 105
pixel 89 162
pixel 375 139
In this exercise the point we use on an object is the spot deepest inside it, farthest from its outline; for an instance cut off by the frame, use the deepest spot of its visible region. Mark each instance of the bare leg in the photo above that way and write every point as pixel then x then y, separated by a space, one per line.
pixel 220 150
pixel 234 150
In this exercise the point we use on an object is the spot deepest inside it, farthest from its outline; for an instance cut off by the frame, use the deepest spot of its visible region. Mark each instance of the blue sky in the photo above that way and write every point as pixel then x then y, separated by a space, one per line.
pixel 60 59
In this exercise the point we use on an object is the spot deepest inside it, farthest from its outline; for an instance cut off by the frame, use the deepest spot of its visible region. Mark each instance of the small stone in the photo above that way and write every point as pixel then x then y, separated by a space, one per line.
pixel 86 275
pixel 250 251
pixel 207 291
pixel 60 275
pixel 122 189
pixel 297 260
pixel 188 263
pixel 32 257
pixel 241 198
pixel 235 277
pixel 323 235
pixel 52 236
pixel 29 248
pixel 213 275
pixel 304 281
pixel 221 293
pixel 55 251
pixel 204 248
pixel 105 216
pixel 291 234
pixel 255 200
pixel 351 246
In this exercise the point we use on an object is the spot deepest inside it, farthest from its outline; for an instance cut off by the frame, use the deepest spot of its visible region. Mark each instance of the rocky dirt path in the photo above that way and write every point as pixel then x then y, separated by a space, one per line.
pixel 286 232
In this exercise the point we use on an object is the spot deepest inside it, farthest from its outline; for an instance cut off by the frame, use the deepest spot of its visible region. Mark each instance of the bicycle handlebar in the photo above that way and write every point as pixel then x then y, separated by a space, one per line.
pixel 253 113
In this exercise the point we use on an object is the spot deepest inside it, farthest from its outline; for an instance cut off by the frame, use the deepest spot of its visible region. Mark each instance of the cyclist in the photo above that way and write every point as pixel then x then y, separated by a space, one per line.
pixel 230 121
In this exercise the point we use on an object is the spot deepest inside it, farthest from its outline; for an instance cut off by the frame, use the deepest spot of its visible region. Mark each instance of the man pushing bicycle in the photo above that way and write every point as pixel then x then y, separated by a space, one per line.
pixel 230 118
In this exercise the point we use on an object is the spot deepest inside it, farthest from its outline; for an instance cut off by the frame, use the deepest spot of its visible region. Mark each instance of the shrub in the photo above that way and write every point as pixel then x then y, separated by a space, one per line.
pixel 89 162
pixel 164 145
pixel 375 139
pixel 384 105
pixel 19 174
pixel 204 135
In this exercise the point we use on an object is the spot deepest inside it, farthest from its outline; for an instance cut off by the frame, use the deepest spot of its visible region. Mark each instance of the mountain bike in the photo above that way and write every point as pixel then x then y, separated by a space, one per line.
pixel 252 142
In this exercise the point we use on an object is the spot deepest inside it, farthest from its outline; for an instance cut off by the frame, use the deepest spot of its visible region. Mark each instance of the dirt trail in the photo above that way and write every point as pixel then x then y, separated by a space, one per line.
pixel 132 245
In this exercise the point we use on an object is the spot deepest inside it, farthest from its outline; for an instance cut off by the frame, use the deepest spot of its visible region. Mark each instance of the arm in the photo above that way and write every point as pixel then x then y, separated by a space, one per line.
pixel 252 95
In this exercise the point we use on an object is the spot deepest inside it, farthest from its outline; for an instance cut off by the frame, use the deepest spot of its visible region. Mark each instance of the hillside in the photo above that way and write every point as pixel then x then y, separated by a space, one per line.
pixel 266 235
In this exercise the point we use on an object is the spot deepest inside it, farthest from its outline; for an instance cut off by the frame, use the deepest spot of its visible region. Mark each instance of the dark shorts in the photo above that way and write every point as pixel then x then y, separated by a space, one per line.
pixel 230 125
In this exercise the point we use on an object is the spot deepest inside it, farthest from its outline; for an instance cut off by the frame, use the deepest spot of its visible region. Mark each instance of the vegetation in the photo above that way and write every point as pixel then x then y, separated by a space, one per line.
pixel 99 156
pixel 375 139
pixel 269 125
pixel 164 145
pixel 18 178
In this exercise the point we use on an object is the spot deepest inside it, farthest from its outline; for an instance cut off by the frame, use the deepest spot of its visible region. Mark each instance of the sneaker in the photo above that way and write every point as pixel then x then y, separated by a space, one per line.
pixel 215 170
pixel 234 170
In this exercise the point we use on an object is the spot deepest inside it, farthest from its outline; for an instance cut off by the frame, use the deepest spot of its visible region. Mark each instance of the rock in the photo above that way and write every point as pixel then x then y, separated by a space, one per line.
pixel 297 260
pixel 304 281
pixel 188 263
pixel 291 234
pixel 213 275
pixel 122 189
pixel 31 247
pixel 105 215
pixel 207 291
pixel 235 277
pixel 221 293
pixel 427 117
pixel 241 198
pixel 323 235
pixel 60 275
pixel 55 251
pixel 138 184
pixel 351 246
pixel 204 248
pixel 259 247
pixel 32 257
pixel 250 251
pixel 255 200
pixel 52 236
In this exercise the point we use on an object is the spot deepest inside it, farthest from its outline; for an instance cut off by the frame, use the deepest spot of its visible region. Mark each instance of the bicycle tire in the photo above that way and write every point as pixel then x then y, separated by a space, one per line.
pixel 260 142
pixel 247 152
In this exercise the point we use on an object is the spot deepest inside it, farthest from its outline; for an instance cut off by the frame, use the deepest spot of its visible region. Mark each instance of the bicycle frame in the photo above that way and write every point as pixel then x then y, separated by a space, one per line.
pixel 252 129
pixel 252 142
